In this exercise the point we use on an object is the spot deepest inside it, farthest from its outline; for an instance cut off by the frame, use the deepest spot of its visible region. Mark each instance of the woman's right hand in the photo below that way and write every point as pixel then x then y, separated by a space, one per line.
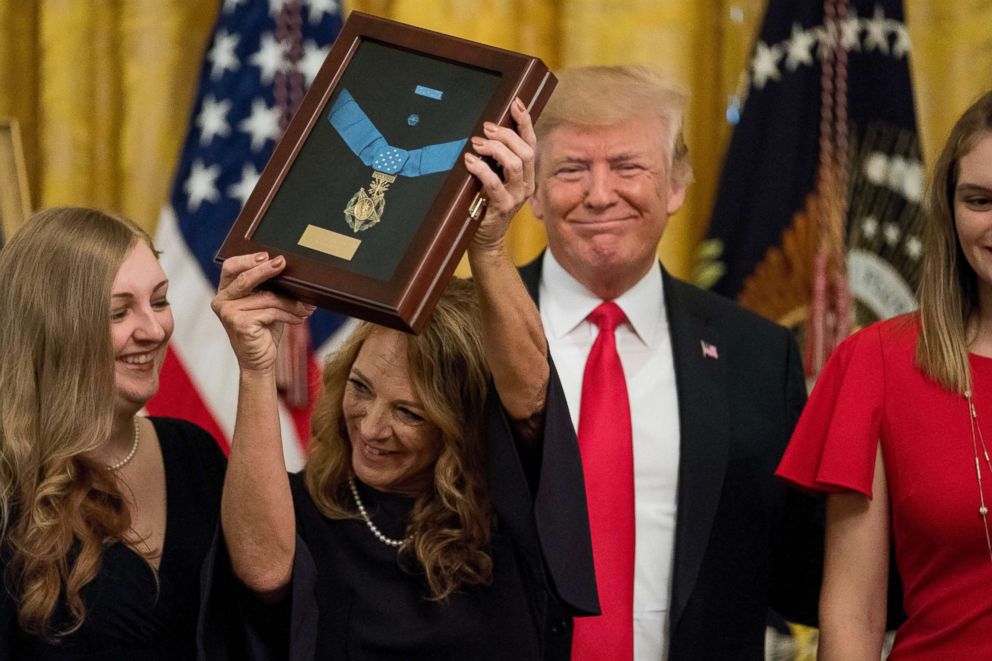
pixel 254 319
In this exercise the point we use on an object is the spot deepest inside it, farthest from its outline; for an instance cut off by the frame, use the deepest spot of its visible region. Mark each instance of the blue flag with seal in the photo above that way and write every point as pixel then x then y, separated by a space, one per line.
pixel 763 231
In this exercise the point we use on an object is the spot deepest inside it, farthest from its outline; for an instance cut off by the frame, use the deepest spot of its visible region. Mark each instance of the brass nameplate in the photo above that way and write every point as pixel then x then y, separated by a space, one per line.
pixel 328 242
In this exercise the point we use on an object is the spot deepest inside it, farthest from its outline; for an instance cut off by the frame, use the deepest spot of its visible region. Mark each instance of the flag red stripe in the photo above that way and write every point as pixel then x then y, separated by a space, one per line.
pixel 178 397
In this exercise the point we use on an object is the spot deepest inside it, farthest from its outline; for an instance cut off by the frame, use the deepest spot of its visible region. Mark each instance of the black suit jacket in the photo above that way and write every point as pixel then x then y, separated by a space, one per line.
pixel 743 541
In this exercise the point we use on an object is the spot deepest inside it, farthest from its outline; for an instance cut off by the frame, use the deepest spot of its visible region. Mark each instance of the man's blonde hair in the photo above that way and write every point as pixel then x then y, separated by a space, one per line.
pixel 606 95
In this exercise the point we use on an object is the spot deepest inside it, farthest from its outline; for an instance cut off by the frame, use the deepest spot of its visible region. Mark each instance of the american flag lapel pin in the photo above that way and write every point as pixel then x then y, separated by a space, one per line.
pixel 709 350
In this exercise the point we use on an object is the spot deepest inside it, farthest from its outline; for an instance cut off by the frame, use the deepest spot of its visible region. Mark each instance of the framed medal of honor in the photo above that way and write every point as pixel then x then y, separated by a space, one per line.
pixel 366 195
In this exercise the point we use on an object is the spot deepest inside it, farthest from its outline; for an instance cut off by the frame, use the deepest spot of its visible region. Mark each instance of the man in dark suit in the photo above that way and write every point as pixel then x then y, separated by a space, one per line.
pixel 693 538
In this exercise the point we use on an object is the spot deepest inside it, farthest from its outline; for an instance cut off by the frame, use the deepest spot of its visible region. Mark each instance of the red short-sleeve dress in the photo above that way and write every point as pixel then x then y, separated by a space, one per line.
pixel 872 392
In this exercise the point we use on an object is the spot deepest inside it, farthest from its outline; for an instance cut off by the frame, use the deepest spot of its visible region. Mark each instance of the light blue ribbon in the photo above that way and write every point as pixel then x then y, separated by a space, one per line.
pixel 358 132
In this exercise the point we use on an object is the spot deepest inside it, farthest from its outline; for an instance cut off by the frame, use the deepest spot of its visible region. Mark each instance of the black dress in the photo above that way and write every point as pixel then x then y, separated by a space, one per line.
pixel 130 614
pixel 353 597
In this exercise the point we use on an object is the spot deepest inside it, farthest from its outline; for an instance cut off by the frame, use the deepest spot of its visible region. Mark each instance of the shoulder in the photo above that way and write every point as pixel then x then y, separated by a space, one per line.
pixel 190 444
pixel 720 311
pixel 895 337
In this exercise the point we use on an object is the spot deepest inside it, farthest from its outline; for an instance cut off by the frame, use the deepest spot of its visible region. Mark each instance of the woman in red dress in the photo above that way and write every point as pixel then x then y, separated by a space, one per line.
pixel 897 432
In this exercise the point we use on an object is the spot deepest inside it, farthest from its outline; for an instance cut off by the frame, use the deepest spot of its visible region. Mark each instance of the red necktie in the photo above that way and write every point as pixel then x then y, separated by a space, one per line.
pixel 605 442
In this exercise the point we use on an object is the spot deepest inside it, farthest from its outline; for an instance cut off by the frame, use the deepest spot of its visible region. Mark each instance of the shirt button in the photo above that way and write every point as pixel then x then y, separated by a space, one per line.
pixel 559 627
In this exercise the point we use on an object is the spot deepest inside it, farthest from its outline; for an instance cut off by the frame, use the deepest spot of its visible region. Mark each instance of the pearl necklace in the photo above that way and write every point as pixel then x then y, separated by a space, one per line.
pixel 976 439
pixel 130 455
pixel 388 541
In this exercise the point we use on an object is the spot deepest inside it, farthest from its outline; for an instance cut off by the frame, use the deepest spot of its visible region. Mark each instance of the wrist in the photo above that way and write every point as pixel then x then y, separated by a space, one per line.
pixel 489 252
pixel 256 374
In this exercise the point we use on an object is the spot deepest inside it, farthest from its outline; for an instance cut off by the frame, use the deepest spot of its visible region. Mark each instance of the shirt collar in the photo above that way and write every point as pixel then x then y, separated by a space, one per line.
pixel 566 303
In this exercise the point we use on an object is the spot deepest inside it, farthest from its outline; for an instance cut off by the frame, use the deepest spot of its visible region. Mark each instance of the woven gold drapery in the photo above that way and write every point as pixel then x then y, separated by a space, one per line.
pixel 102 88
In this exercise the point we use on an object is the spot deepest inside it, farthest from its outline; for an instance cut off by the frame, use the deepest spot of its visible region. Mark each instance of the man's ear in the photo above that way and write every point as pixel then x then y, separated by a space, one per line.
pixel 676 197
pixel 537 204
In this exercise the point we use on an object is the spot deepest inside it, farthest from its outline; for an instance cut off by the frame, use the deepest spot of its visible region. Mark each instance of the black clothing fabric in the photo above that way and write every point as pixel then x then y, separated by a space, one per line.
pixel 129 613
pixel 371 601
pixel 353 597
pixel 744 542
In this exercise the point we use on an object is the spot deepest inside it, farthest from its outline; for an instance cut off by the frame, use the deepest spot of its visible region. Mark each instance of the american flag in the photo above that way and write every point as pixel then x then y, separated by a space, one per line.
pixel 262 55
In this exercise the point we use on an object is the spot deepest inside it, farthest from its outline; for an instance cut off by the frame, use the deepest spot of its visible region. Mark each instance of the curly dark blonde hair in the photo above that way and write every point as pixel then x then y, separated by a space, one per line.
pixel 450 528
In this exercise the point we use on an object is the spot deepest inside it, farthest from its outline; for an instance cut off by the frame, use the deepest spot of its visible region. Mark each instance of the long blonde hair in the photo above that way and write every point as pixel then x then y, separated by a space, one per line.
pixel 948 291
pixel 450 527
pixel 606 95
pixel 58 510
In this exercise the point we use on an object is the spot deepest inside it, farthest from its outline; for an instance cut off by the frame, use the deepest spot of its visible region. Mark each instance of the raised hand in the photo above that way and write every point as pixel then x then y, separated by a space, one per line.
pixel 511 325
pixel 254 319
pixel 514 151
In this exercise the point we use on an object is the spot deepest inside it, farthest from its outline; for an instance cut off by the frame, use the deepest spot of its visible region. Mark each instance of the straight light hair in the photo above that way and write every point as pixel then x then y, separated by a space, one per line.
pixel 605 95
pixel 58 510
pixel 948 291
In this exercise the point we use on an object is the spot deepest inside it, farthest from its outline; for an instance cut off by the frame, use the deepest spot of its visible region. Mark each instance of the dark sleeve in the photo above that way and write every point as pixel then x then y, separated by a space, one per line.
pixel 8 619
pixel 235 624
pixel 797 547
pixel 546 517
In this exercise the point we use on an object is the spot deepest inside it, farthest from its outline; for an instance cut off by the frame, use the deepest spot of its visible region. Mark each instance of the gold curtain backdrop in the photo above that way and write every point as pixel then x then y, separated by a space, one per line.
pixel 103 88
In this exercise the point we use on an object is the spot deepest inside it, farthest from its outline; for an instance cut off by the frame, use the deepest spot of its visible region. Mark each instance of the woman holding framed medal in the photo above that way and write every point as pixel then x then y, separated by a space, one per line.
pixel 413 530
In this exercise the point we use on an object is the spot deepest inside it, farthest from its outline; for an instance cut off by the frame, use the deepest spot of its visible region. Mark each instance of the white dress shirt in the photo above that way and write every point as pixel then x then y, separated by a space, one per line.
pixel 645 349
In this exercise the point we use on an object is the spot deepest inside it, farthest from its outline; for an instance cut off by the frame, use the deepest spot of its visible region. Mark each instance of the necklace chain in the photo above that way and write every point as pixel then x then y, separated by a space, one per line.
pixel 130 455
pixel 978 439
pixel 388 541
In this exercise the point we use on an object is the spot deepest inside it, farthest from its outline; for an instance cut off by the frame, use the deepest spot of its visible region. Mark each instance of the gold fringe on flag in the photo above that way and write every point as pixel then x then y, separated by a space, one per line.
pixel 830 306
pixel 292 361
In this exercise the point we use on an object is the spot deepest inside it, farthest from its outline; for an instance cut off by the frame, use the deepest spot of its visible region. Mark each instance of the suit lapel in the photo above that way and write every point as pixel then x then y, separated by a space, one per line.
pixel 704 434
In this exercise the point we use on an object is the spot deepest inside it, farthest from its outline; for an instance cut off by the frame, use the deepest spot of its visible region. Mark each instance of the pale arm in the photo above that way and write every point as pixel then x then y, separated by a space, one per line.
pixel 513 337
pixel 257 507
pixel 855 575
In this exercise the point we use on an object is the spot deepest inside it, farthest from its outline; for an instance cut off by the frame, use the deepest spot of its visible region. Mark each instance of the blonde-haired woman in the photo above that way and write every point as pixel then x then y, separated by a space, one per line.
pixel 400 539
pixel 105 516
pixel 898 431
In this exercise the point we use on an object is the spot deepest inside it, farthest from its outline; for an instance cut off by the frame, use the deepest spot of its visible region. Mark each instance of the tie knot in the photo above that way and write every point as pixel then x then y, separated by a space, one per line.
pixel 607 316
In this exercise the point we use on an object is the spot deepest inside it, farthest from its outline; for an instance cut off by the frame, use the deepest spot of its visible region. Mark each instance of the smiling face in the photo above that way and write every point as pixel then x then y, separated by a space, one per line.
pixel 973 212
pixel 140 327
pixel 394 447
pixel 604 194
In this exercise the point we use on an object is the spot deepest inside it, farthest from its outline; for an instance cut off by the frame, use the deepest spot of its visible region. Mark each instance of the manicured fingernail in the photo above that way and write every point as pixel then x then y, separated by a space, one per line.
pixel 261 257
pixel 471 158
pixel 489 127
pixel 278 261
pixel 477 142
pixel 519 104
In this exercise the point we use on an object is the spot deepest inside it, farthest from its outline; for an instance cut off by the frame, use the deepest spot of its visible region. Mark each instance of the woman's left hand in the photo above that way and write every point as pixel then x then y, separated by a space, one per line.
pixel 514 151
pixel 512 335
pixel 254 318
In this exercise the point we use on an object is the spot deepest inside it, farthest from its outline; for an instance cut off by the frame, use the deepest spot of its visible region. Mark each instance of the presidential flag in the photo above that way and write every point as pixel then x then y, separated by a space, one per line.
pixel 261 58
pixel 828 98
